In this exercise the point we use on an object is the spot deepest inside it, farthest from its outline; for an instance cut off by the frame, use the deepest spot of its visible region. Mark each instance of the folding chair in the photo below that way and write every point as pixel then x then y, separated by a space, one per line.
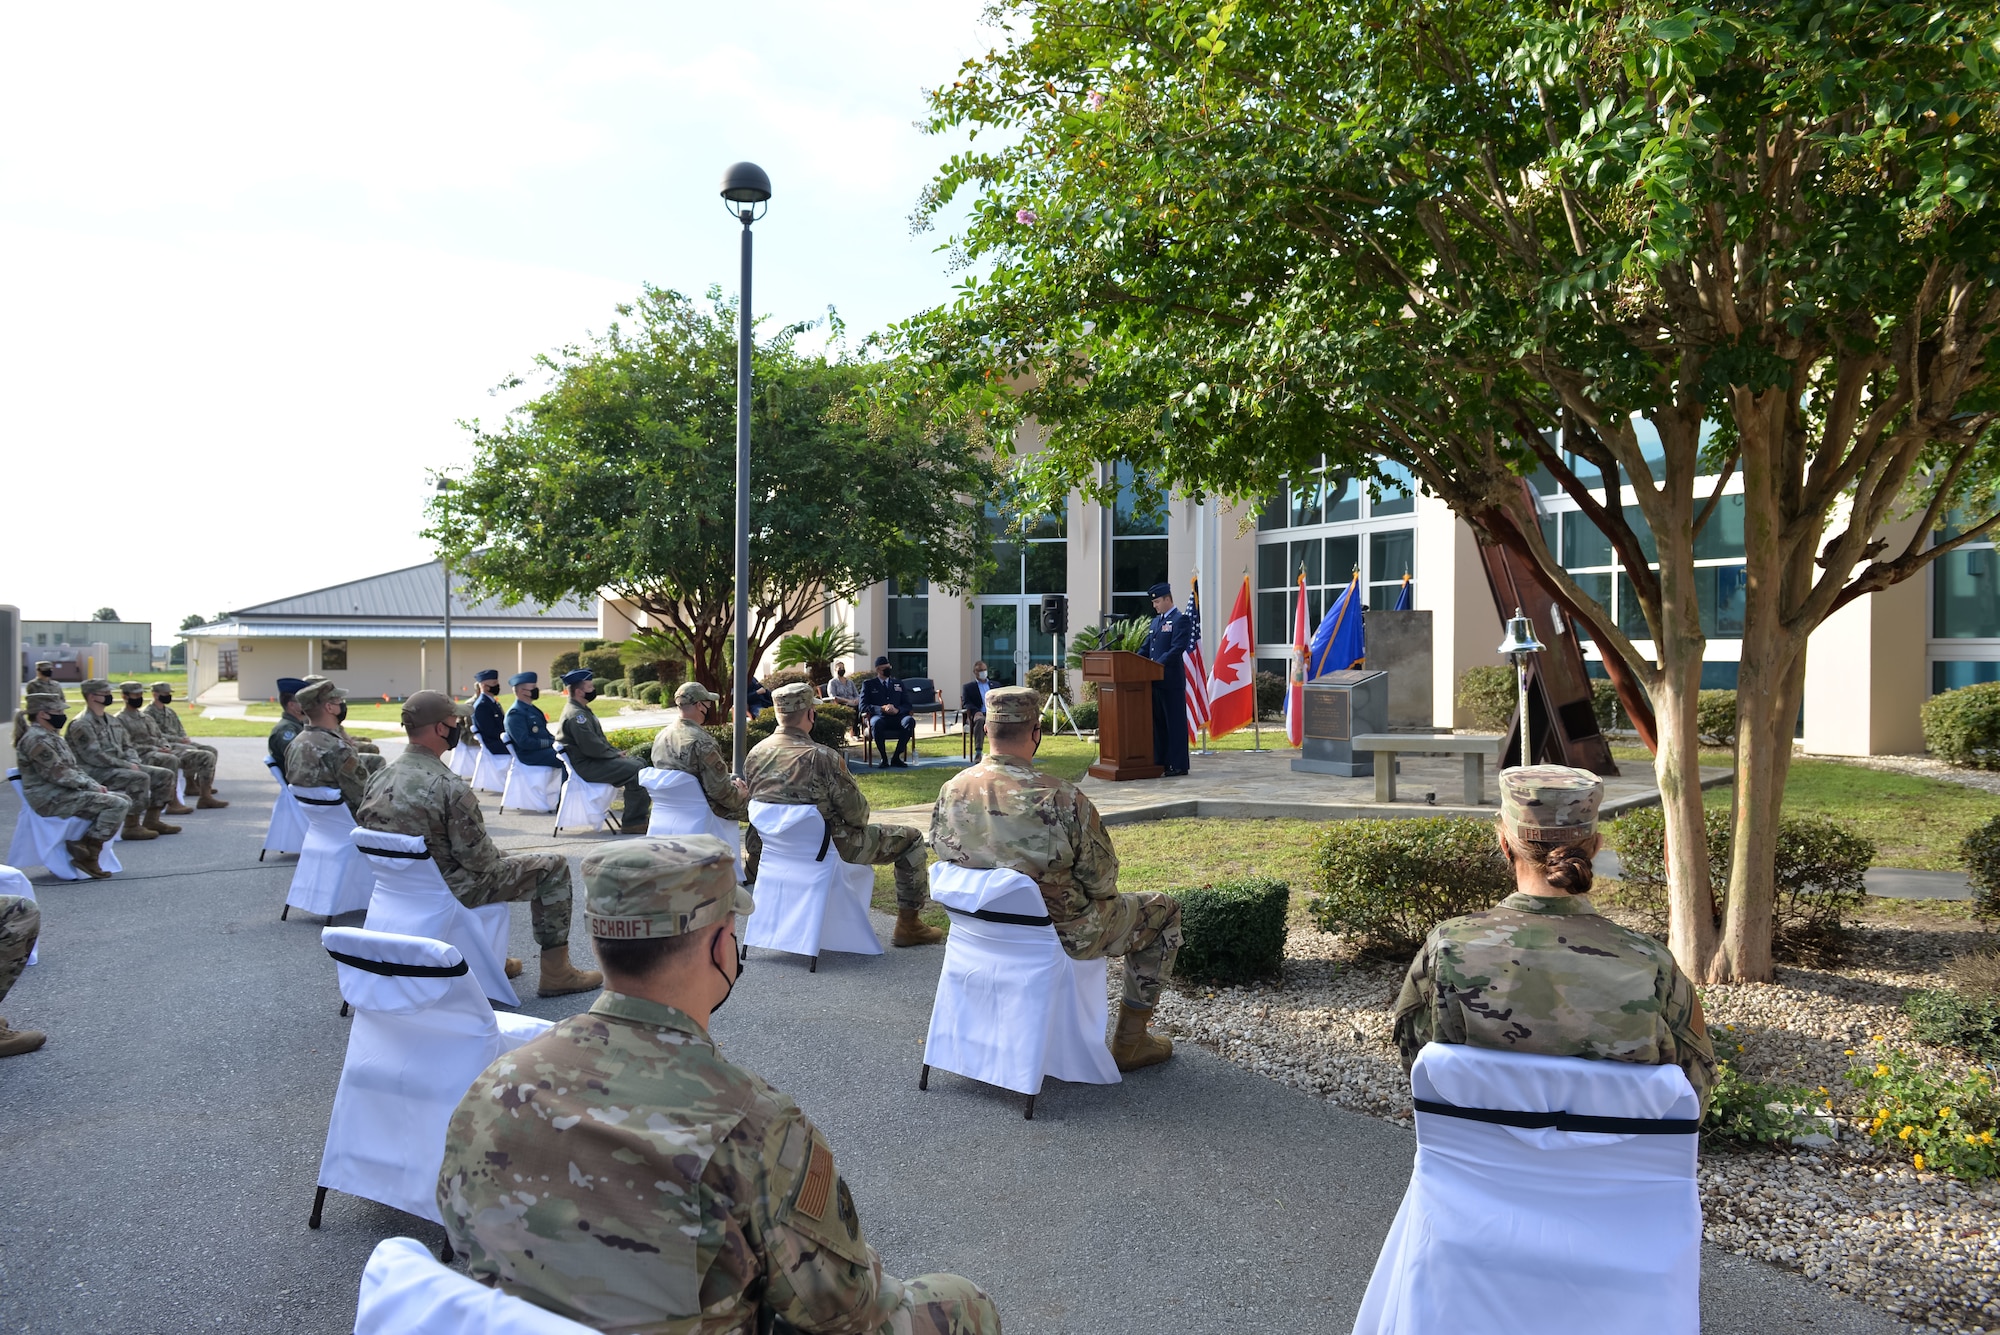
pixel 808 900
pixel 585 805
pixel 287 832
pixel 679 807
pixel 15 882
pixel 465 756
pixel 410 898
pixel 531 788
pixel 489 773
pixel 422 1033
pixel 329 879
pixel 1011 1006
pixel 38 840
pixel 405 1291
pixel 1551 1196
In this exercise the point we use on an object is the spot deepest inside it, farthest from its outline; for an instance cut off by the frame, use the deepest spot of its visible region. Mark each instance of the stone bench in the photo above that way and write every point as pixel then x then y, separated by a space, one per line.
pixel 1386 745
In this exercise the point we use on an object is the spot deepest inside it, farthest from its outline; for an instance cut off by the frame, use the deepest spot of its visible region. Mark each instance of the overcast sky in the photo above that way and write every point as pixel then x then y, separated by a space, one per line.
pixel 256 261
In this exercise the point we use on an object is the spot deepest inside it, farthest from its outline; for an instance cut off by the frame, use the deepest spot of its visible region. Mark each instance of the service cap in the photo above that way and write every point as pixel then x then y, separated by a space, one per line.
pixel 291 685
pixel 1013 704
pixel 668 885
pixel 95 686
pixel 577 676
pixel 694 693
pixel 487 674
pixel 883 661
pixel 524 679
pixel 794 697
pixel 428 707
pixel 1161 590
pixel 313 693
pixel 1550 802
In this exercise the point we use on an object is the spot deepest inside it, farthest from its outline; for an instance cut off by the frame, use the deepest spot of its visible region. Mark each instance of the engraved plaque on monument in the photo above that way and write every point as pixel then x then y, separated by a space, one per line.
pixel 1338 707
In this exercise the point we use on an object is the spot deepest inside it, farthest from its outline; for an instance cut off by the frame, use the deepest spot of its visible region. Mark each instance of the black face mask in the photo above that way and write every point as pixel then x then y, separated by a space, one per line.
pixel 740 962
pixel 590 695
pixel 163 699
pixel 57 720
pixel 133 702
pixel 534 692
pixel 340 715
pixel 451 738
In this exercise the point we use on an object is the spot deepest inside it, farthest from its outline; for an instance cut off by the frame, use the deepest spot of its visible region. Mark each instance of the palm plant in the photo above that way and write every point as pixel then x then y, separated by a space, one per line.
pixel 1129 635
pixel 662 649
pixel 815 650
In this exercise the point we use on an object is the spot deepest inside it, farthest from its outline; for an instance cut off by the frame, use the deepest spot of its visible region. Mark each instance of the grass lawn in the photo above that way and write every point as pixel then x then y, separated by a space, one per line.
pixel 224 727
pixel 1915 822
pixel 1065 756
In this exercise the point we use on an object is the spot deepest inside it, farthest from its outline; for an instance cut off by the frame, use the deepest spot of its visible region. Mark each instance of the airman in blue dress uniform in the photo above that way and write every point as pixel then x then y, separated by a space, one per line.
pixel 1166 643
pixel 488 723
pixel 528 727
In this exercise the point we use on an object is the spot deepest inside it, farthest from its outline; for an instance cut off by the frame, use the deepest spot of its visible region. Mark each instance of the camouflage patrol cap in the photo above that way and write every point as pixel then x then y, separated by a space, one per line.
pixel 1550 802
pixel 668 885
pixel 694 693
pixel 42 664
pixel 313 693
pixel 425 708
pixel 163 688
pixel 1013 704
pixel 792 698
pixel 95 686
pixel 131 688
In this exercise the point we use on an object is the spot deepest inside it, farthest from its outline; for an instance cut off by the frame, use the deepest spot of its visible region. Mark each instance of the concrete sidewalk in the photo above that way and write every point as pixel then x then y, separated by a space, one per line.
pixel 164 1145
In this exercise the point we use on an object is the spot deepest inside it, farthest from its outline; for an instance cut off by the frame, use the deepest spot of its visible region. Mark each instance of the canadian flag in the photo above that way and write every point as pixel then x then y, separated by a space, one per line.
pixel 1232 691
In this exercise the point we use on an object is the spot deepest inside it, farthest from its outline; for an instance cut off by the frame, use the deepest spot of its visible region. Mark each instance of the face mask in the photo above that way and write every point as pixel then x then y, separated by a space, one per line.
pixel 492 688
pixel 590 695
pixel 725 978
pixel 132 702
pixel 57 720
pixel 451 738
pixel 341 714
pixel 980 675
pixel 534 692
pixel 164 699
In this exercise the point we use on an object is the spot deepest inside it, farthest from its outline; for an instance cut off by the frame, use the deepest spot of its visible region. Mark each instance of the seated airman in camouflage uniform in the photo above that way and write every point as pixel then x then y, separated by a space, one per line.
pixel 20 924
pixel 151 748
pixel 1543 972
pixel 418 794
pixel 372 759
pixel 1003 812
pixel 792 769
pixel 101 748
pixel 685 745
pixel 56 786
pixel 620 1172
pixel 321 756
pixel 174 733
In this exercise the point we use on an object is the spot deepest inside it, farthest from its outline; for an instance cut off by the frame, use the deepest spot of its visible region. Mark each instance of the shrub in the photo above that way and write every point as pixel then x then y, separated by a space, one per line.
pixel 785 677
pixel 1962 727
pixel 615 686
pixel 1270 689
pixel 1715 717
pixel 1085 715
pixel 1944 1125
pixel 629 739
pixel 1488 696
pixel 603 663
pixel 653 693
pixel 1044 680
pixel 1743 1110
pixel 640 673
pixel 1977 974
pixel 831 723
pixel 1819 869
pixel 1389 882
pixel 1604 704
pixel 565 662
pixel 829 712
pixel 1980 852
pixel 1953 1019
pixel 1233 933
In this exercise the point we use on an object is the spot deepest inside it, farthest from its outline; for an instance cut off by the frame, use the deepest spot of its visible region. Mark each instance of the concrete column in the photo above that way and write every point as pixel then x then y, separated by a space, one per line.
pixel 1865 671
pixel 1451 583
pixel 951 654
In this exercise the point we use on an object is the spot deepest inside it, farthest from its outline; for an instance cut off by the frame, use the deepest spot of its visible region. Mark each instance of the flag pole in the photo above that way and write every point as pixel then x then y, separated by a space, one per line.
pixel 1256 719
pixel 1201 728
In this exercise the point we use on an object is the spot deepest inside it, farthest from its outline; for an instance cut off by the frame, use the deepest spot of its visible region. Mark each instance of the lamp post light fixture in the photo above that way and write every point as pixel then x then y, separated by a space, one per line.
pixel 746 193
pixel 1520 646
pixel 444 486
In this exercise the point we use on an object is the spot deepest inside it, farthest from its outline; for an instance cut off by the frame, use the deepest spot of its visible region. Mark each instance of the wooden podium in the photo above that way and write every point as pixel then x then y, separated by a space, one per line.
pixel 1124 714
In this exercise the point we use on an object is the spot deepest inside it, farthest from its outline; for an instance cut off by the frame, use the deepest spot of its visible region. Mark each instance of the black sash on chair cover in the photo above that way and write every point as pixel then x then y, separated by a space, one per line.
pixel 319 801
pixel 417 856
pixel 994 915
pixel 1566 1121
pixel 388 970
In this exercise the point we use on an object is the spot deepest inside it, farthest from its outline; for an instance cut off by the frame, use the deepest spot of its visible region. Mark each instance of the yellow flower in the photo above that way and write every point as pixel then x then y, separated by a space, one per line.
pixel 1986 1137
pixel 1943 1113
pixel 1822 1089
pixel 1880 1070
pixel 1920 1163
pixel 1875 1038
pixel 1972 1140
pixel 1739 1047
pixel 1904 1134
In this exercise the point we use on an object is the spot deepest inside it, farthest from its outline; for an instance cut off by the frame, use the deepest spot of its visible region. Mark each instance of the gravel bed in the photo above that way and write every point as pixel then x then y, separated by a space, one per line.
pixel 1923 767
pixel 1919 1245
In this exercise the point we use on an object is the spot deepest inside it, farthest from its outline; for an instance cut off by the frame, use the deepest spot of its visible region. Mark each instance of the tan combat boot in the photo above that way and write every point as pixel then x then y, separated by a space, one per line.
pixel 208 801
pixel 83 856
pixel 134 829
pixel 176 807
pixel 1131 1046
pixel 513 967
pixel 158 826
pixel 560 977
pixel 14 1042
pixel 911 932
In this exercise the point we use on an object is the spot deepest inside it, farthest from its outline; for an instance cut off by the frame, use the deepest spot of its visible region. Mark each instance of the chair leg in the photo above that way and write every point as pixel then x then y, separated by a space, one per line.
pixel 447 1256
pixel 924 1077
pixel 1030 1114
pixel 813 965
pixel 284 912
pixel 261 852
pixel 343 1008
pixel 319 1203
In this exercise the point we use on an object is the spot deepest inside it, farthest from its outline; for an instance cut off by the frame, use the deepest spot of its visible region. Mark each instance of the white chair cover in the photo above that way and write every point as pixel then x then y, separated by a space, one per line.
pixel 489 771
pixel 585 805
pixel 416 1046
pixel 1513 1231
pixel 1011 1006
pixel 679 807
pixel 808 900
pixel 329 879
pixel 287 833
pixel 465 756
pixel 406 1291
pixel 38 840
pixel 409 897
pixel 14 882
pixel 531 788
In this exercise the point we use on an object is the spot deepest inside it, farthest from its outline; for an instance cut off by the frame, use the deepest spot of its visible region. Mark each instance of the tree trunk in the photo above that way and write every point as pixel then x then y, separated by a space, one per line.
pixel 1767 697
pixel 1691 932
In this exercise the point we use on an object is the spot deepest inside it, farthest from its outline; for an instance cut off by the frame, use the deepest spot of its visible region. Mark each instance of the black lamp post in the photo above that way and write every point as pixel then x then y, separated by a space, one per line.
pixel 744 187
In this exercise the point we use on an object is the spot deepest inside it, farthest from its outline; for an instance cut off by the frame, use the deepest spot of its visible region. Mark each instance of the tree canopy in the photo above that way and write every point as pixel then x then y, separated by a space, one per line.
pixel 1631 244
pixel 619 475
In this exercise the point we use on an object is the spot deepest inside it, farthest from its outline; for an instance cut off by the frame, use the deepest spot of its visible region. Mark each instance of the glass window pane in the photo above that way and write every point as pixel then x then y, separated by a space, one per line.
pixel 1007 578
pixel 1126 606
pixel 1308 495
pixel 1271 573
pixel 1631 619
pixel 1048 567
pixel 1270 627
pixel 1343 499
pixel 1392 555
pixel 1636 521
pixel 1047 526
pixel 998 630
pixel 1966 604
pixel 1951 676
pixel 920 588
pixel 1583 543
pixel 1137 564
pixel 1382 597
pixel 1307 554
pixel 1720 591
pixel 1397 499
pixel 1343 557
pixel 1722 535
pixel 1127 518
pixel 1599 589
pixel 909 623
pixel 1273 514
pixel 908 663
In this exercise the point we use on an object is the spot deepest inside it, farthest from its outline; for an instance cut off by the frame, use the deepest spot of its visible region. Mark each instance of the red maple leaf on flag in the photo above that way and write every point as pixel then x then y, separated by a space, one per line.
pixel 1231 662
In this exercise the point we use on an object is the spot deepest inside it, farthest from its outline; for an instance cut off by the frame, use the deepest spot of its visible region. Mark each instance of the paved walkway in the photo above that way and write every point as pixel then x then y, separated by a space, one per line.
pixel 162 1148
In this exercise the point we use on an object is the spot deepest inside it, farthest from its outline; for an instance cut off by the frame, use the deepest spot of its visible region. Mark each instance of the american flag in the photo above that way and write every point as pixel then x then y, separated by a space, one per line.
pixel 1196 673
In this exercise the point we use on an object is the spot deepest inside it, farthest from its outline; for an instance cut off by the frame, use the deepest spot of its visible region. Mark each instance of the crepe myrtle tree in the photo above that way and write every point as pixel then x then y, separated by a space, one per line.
pixel 616 476
pixel 1220 240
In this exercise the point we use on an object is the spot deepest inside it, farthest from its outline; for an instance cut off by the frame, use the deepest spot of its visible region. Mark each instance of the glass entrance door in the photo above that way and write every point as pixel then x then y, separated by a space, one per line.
pixel 1011 640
